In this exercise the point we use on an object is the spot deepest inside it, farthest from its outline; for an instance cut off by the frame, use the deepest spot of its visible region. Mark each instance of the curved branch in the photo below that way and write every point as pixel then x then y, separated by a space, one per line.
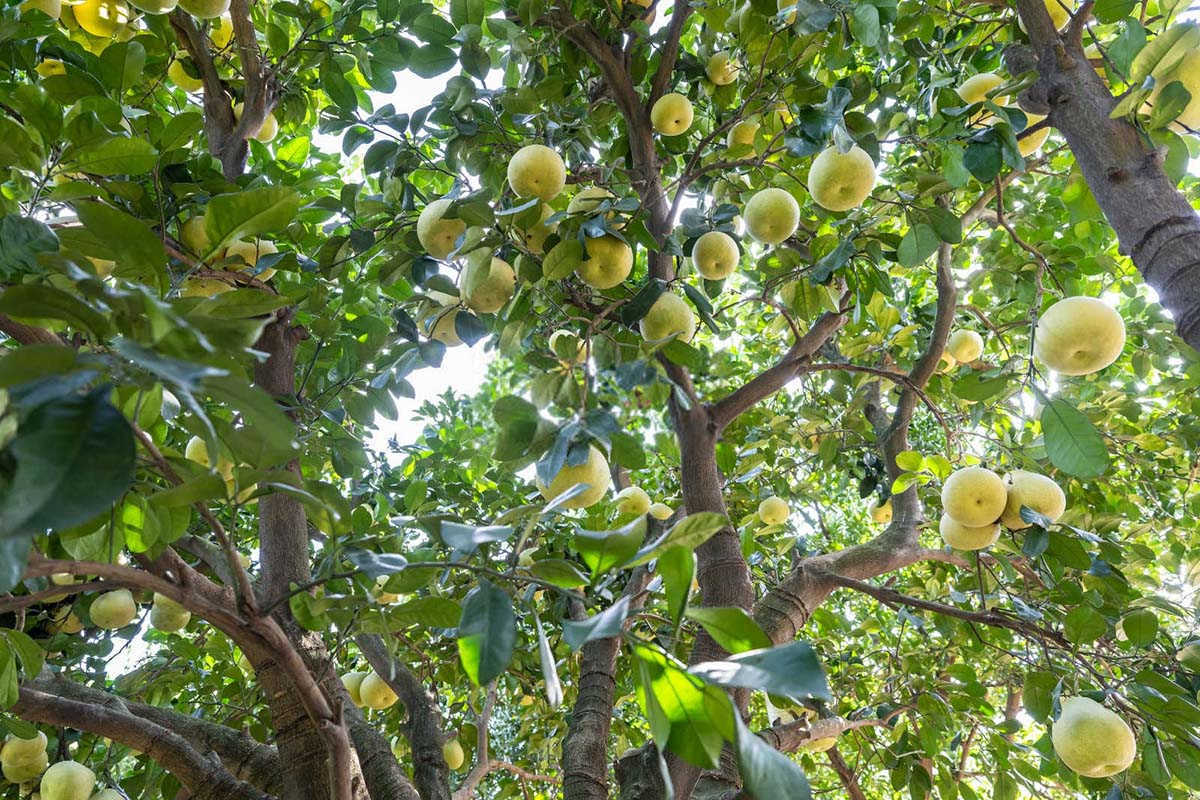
pixel 207 780
pixel 668 52
pixel 27 334
pixel 424 729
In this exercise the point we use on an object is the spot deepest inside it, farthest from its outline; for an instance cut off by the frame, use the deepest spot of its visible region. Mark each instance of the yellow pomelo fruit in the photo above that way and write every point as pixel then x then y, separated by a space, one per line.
pixel 672 114
pixel 205 9
pixel 487 282
pixel 773 511
pixel 436 233
pixel 974 496
pixel 609 262
pixel 113 610
pixel 743 133
pixel 1079 336
pixel 975 90
pixel 965 346
pixel 670 315
pixel 881 514
pixel 661 511
pixel 715 255
pixel 103 18
pixel 1033 491
pixel 353 682
pixel 443 328
pixel 453 754
pixel 722 69
pixel 375 693
pixel 772 215
pixel 633 500
pixel 841 181
pixel 968 537
pixel 1092 740
pixel 537 171
pixel 67 780
pixel 594 472
pixel 1030 144
pixel 221 32
pixel 167 615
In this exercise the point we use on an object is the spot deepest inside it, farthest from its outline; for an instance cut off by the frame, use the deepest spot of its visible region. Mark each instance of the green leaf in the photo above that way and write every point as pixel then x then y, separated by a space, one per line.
pixel 23 239
pixel 1109 11
pixel 30 655
pixel 975 387
pixel 768 774
pixel 138 249
pixel 428 612
pixel 33 302
pixel 791 670
pixel 732 628
pixel 1039 694
pixel 560 572
pixel 691 532
pixel 432 60
pixel 677 567
pixel 909 460
pixel 74 458
pixel 487 633
pixel 917 246
pixel 690 719
pixel 1072 441
pixel 605 625
pixel 241 215
pixel 119 155
pixel 983 158
pixel 1140 627
pixel 468 538
pixel 1083 625
pixel 1164 52
pixel 603 550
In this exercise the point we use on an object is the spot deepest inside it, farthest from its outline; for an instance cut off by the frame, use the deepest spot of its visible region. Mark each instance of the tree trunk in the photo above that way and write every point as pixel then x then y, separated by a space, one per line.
pixel 1155 224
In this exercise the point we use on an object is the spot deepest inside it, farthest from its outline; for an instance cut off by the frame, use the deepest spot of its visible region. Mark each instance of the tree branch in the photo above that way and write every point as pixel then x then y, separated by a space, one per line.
pixel 27 334
pixel 424 729
pixel 668 51
pixel 207 780
pixel 771 380
pixel 845 774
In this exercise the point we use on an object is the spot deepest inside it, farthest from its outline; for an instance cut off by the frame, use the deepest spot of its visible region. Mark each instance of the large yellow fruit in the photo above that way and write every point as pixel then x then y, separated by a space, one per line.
pixel 167 615
pixel 266 131
pixel 487 282
pixel 51 8
pixel 437 234
pixel 968 537
pixel 594 472
pixel 1030 144
pixel 609 262
pixel 180 77
pixel 722 69
pixel 65 622
pixel 194 236
pixel 102 18
pixel 113 610
pixel 672 114
pixel 375 693
pixel 155 6
pixel 23 760
pixel 772 215
pixel 633 500
pixel 107 794
pixel 974 496
pixel 380 593
pixel 670 315
pixel 453 754
pixel 205 9
pixel 966 346
pixel 1059 11
pixel 537 171
pixel 715 255
pixel 661 511
pixel 221 32
pixel 773 511
pixel 588 200
pixel 250 252
pixel 46 68
pixel 1033 491
pixel 882 514
pixel 841 181
pixel 975 90
pixel 68 780
pixel 1079 335
pixel 353 682
pixel 203 287
pixel 743 133
pixel 1092 740
pixel 443 329
pixel 819 745
pixel 534 236
pixel 197 450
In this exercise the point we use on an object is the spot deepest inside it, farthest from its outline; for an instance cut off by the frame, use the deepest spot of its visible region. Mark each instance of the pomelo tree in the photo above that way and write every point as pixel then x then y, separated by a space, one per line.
pixel 838 436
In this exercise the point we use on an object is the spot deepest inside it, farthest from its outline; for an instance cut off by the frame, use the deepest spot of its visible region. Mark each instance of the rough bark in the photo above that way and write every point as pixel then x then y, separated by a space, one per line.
pixel 243 757
pixel 206 779
pixel 424 728
pixel 1155 224
pixel 585 748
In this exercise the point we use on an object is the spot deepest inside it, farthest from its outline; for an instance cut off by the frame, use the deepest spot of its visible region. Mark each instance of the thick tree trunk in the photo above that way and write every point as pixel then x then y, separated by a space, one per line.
pixel 1155 224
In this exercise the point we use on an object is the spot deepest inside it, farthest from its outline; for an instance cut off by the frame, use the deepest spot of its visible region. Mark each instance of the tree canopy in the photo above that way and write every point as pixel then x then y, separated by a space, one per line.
pixel 838 435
